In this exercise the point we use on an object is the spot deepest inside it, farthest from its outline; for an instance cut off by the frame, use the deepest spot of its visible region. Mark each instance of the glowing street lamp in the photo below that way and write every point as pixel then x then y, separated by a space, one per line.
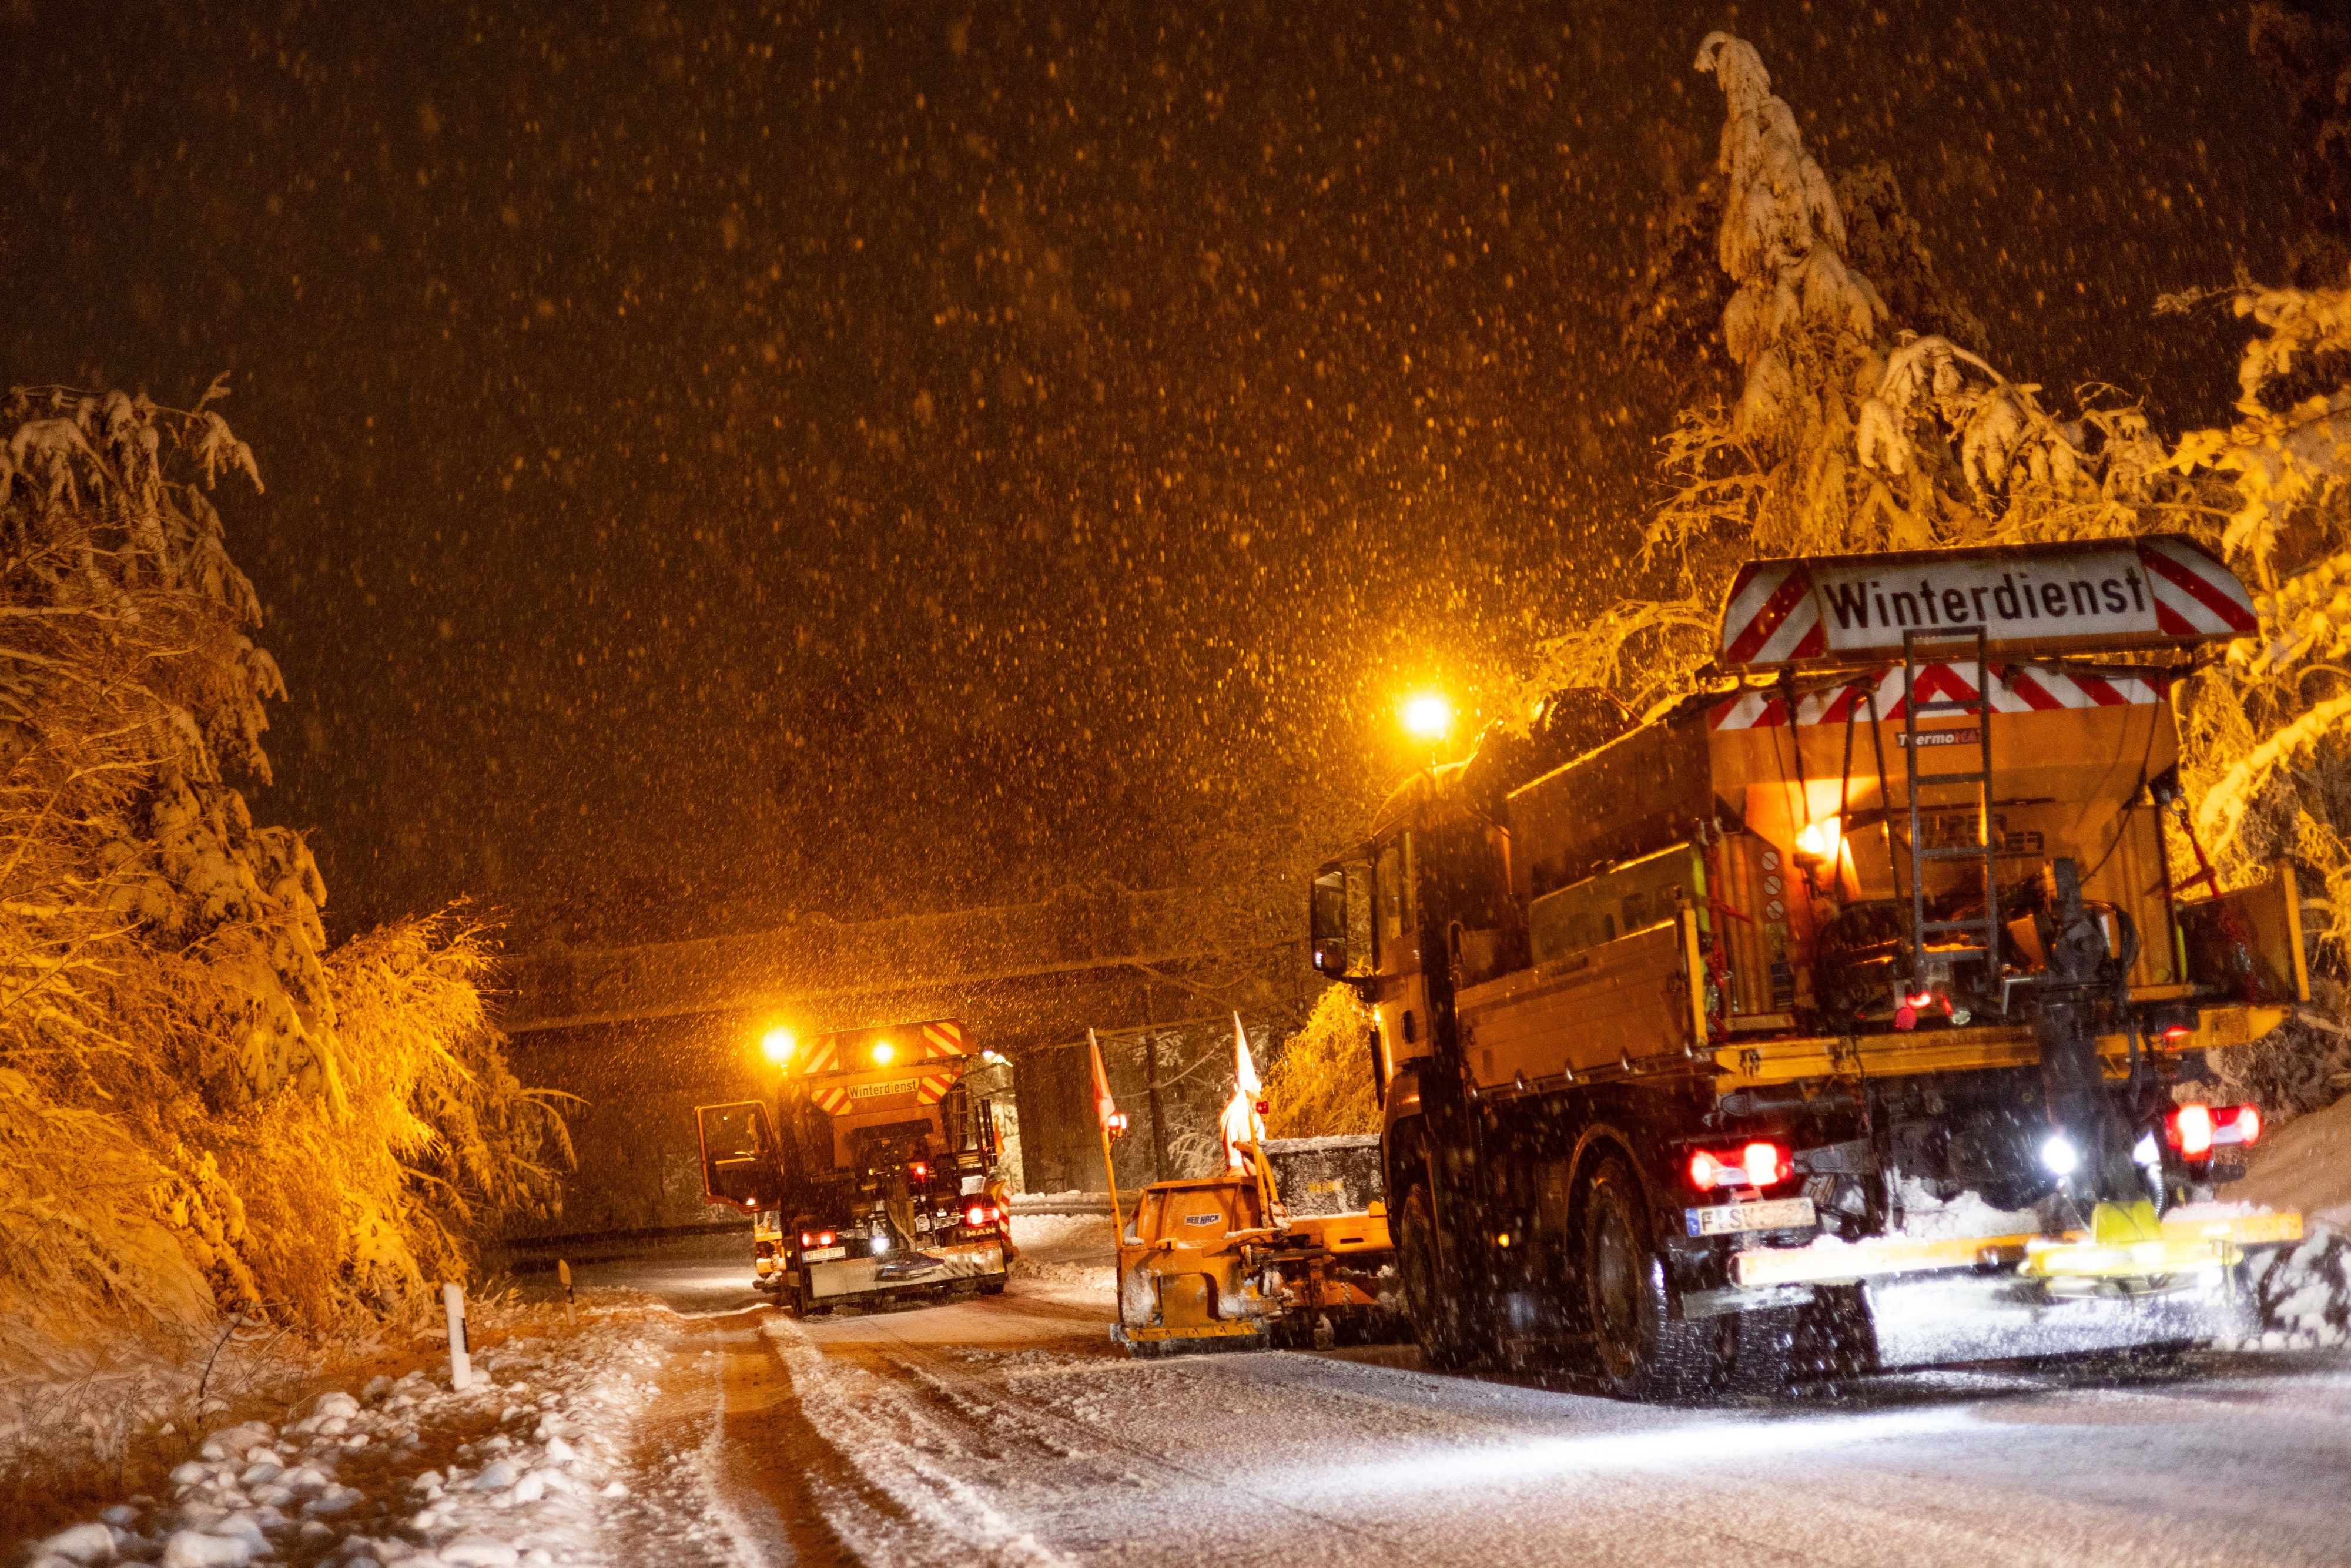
pixel 1428 716
pixel 777 1045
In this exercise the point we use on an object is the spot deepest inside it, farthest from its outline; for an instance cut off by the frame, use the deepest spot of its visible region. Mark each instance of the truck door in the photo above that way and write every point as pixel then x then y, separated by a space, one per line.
pixel 1401 999
pixel 740 1163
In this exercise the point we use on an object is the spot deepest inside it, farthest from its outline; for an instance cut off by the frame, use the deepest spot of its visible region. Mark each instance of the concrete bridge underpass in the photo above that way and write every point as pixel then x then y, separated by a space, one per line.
pixel 644 1034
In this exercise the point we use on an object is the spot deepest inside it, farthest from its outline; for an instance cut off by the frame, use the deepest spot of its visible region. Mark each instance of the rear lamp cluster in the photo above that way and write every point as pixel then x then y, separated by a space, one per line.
pixel 1760 1164
pixel 817 1239
pixel 2197 1130
pixel 980 1214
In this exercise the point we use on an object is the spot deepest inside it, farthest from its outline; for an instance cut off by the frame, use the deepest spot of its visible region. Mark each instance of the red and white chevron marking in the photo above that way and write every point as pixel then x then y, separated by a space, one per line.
pixel 933 1087
pixel 1773 616
pixel 944 1037
pixel 2016 688
pixel 2195 595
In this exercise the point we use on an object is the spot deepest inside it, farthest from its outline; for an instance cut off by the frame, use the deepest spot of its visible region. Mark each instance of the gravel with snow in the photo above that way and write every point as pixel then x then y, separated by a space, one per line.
pixel 524 1467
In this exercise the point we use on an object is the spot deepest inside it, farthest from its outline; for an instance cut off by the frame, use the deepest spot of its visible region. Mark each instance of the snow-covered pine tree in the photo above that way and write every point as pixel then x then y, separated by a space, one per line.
pixel 1851 429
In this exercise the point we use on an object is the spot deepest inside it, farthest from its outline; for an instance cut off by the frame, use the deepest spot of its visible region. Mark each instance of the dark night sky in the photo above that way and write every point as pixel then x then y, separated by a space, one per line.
pixel 860 457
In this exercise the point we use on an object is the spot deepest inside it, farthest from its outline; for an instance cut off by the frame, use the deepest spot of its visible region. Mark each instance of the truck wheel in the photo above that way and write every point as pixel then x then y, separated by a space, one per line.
pixel 1439 1317
pixel 994 1287
pixel 1642 1352
pixel 1763 1346
pixel 1833 1347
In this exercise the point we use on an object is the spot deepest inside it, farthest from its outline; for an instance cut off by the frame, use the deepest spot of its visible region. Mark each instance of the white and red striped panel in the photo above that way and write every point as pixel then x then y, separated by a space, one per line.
pixel 2195 595
pixel 2015 689
pixel 944 1037
pixel 1773 616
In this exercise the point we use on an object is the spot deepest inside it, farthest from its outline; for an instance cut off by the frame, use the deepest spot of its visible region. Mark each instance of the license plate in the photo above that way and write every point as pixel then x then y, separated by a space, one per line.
pixel 1730 1219
pixel 824 1254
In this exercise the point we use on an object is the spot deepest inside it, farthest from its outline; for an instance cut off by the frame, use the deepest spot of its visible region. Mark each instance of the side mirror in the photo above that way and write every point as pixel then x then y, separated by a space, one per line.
pixel 739 1164
pixel 1339 921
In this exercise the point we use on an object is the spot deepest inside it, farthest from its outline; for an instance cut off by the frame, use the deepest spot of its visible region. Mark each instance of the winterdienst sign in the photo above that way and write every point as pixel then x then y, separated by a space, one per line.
pixel 2162 591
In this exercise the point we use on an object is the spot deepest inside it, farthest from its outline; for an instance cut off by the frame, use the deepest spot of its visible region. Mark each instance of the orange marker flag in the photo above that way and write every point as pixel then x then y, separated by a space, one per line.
pixel 1243 1122
pixel 1107 1115
pixel 1105 1108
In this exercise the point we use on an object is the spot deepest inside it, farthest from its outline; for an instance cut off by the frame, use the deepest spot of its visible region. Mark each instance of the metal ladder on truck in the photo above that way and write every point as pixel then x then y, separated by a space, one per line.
pixel 1984 931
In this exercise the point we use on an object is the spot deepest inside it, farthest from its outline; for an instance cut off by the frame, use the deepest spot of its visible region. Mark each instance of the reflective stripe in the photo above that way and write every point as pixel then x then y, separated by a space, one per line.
pixel 2016 689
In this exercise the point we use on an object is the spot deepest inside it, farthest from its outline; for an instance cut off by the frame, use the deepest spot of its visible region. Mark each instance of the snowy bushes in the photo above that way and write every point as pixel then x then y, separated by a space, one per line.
pixel 1322 1083
pixel 198 1102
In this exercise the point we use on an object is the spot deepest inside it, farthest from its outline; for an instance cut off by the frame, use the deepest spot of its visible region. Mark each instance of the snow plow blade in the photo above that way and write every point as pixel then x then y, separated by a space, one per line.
pixel 1194 1338
pixel 1998 1298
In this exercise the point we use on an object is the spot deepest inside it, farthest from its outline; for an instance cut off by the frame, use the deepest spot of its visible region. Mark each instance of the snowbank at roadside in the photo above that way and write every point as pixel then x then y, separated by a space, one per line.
pixel 521 1469
pixel 1065 1255
pixel 2305 1165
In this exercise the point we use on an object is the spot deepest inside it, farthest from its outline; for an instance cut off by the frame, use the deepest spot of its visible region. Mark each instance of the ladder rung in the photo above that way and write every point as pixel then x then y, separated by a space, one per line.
pixel 1947 704
pixel 1952 926
pixel 1954 852
pixel 1925 777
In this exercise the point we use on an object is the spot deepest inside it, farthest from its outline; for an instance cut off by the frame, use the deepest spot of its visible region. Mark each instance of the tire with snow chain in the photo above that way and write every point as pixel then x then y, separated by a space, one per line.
pixel 1831 1347
pixel 1643 1351
pixel 1762 1348
pixel 1439 1317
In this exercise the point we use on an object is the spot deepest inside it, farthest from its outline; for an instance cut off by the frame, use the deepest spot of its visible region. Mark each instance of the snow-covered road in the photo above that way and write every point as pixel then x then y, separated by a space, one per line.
pixel 1009 1430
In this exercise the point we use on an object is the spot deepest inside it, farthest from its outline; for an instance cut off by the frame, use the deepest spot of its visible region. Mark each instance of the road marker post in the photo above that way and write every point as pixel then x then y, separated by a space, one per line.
pixel 461 1360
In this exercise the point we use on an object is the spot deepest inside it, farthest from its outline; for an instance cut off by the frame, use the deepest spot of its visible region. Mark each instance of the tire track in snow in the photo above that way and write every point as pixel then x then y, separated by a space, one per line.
pixel 898 1445
pixel 1114 1459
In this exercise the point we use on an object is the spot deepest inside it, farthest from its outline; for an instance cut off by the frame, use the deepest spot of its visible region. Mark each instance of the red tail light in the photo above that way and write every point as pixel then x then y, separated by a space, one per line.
pixel 1760 1164
pixel 817 1239
pixel 977 1215
pixel 2191 1130
pixel 2197 1130
pixel 922 1171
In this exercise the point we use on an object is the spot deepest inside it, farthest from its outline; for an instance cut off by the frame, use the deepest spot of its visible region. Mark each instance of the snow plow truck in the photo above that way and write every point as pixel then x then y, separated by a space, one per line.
pixel 872 1180
pixel 1292 1251
pixel 1844 1017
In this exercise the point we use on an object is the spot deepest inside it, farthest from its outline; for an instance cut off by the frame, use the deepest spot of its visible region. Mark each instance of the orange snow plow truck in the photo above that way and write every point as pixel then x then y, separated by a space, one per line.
pixel 1290 1251
pixel 1845 1017
pixel 872 1182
